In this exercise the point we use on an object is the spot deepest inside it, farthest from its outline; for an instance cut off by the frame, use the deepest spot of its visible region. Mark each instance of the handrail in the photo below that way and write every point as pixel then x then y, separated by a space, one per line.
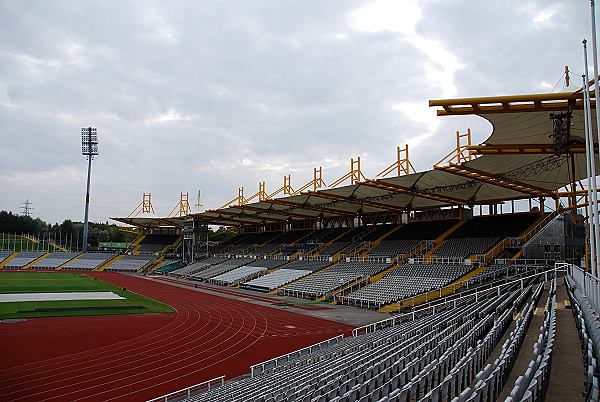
pixel 362 235
pixel 439 260
pixel 526 261
pixel 587 283
pixel 276 360
pixel 187 392
pixel 355 252
pixel 537 228
pixel 489 256
pixel 389 322
pixel 424 245
pixel 362 280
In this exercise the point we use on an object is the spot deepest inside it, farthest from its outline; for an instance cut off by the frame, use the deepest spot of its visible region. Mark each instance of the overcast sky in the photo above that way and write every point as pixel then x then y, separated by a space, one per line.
pixel 212 95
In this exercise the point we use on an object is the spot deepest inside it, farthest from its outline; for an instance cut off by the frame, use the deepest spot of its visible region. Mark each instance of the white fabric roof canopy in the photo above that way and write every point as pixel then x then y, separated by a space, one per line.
pixel 503 177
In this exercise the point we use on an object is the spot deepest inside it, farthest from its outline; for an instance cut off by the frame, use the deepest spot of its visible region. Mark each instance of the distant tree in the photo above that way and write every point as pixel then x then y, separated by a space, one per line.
pixel 221 235
pixel 13 223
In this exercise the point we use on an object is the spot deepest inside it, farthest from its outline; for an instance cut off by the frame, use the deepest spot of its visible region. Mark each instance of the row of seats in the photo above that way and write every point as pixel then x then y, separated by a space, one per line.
pixel 491 379
pixel 265 249
pixel 532 385
pixel 237 275
pixel 289 273
pixel 88 261
pixel 353 237
pixel 464 247
pixel 201 270
pixel 430 358
pixel 247 243
pixel 393 248
pixel 495 271
pixel 422 230
pixel 336 277
pixel 405 282
pixel 335 247
pixel 23 258
pixel 275 244
pixel 499 226
pixel 235 240
pixel 221 268
pixel 308 265
pixel 197 266
pixel 53 260
pixel 344 367
pixel 292 236
pixel 325 235
pixel 363 268
pixel 168 266
pixel 588 326
pixel 4 255
pixel 153 243
pixel 269 263
pixel 275 279
pixel 129 263
pixel 319 284
pixel 239 249
pixel 503 225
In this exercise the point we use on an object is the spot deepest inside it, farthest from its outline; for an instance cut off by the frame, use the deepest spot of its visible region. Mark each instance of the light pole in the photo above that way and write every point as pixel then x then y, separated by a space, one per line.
pixel 89 148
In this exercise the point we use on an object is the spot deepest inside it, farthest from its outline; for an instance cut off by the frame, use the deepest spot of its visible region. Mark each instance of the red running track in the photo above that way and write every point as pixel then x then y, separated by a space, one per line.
pixel 137 357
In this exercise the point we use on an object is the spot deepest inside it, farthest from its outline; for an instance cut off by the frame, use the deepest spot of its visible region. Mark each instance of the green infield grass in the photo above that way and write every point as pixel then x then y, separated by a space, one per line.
pixel 38 282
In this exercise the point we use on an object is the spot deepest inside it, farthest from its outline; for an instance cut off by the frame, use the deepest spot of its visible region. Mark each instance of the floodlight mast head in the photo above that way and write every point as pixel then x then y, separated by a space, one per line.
pixel 89 148
pixel 89 141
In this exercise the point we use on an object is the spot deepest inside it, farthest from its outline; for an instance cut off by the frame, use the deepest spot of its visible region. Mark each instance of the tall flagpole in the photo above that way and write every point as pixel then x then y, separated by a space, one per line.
pixel 588 146
pixel 592 159
pixel 595 60
pixel 597 98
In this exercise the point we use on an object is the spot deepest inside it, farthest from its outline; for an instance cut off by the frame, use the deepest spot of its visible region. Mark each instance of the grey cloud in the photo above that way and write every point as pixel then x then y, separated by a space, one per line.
pixel 184 92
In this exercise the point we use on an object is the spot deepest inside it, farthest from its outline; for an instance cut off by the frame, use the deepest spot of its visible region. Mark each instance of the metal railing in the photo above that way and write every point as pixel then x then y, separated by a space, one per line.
pixel 352 287
pixel 355 253
pixel 189 391
pixel 537 228
pixel 316 258
pixel 260 368
pixel 525 261
pixel 440 260
pixel 363 234
pixel 586 282
pixel 377 259
pixel 495 251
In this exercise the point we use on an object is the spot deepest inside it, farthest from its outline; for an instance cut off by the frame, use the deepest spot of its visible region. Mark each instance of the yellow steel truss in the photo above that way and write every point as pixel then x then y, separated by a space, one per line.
pixel 402 164
pixel 355 175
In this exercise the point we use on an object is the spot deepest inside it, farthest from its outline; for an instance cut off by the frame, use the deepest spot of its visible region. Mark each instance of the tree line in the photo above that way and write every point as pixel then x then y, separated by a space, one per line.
pixel 14 223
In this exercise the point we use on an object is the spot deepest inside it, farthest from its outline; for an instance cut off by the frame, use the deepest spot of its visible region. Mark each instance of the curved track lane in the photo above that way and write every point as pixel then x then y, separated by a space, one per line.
pixel 136 357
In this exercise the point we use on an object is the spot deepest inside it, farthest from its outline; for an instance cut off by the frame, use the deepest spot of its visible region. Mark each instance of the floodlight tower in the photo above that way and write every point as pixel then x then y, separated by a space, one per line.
pixel 89 148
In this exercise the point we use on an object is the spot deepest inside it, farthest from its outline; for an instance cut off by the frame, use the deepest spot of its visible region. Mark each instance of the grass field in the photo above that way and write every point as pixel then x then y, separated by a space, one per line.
pixel 33 282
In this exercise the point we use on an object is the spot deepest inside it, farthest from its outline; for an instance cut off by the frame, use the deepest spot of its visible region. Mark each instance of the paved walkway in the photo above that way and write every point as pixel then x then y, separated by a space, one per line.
pixel 526 352
pixel 567 375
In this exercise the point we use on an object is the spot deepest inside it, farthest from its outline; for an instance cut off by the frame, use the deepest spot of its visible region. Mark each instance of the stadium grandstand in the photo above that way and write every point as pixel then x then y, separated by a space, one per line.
pixel 467 272
pixel 478 272
pixel 415 247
